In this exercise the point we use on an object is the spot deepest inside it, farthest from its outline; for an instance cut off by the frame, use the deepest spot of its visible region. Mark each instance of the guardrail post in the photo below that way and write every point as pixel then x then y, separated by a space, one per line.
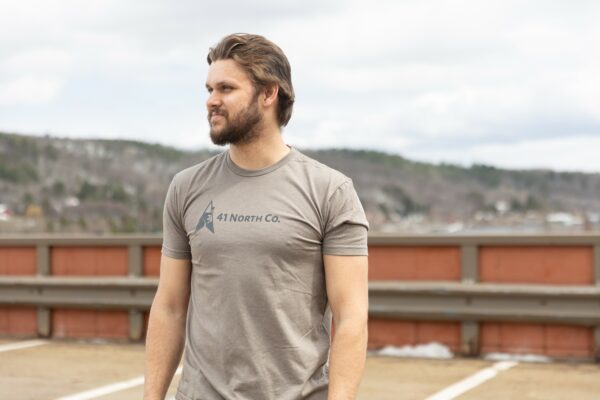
pixel 136 317
pixel 597 343
pixel 44 319
pixel 469 259
pixel 597 281
pixel 470 338
pixel 135 260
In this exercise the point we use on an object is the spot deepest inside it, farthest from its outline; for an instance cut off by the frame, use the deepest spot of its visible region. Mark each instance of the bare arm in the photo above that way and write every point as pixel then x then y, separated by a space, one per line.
pixel 347 290
pixel 166 327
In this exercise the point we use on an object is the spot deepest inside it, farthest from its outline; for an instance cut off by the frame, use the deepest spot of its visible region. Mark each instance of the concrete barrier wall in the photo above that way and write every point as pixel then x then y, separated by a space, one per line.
pixel 560 265
pixel 15 261
pixel 414 263
pixel 569 261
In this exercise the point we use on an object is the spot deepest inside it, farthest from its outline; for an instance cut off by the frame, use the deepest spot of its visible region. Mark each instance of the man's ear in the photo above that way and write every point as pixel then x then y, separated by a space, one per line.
pixel 270 93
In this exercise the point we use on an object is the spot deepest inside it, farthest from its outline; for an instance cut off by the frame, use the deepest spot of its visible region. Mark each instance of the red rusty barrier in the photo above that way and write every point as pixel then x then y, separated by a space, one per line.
pixel 523 259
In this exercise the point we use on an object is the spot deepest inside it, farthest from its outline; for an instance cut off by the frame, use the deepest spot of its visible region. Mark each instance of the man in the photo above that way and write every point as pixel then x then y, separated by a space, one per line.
pixel 264 244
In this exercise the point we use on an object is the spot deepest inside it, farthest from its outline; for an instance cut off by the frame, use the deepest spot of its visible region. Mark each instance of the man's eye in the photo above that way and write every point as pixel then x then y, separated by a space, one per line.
pixel 227 88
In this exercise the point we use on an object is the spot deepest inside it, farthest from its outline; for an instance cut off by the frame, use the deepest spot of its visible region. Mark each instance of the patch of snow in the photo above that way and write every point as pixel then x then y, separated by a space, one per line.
pixel 517 357
pixel 430 350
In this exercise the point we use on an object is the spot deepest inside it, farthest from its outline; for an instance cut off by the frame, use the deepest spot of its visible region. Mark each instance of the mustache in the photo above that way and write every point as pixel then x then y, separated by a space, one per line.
pixel 216 111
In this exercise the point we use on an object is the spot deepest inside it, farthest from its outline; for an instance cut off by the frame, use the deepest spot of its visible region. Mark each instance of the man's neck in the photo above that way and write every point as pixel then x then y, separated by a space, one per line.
pixel 266 150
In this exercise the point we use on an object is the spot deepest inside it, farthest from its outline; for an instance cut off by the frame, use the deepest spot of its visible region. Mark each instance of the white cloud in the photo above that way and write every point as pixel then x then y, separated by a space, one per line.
pixel 460 79
pixel 29 91
pixel 41 59
pixel 569 154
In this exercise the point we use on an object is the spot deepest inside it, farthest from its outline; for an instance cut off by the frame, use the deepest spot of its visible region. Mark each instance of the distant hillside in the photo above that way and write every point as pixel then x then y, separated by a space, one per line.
pixel 58 184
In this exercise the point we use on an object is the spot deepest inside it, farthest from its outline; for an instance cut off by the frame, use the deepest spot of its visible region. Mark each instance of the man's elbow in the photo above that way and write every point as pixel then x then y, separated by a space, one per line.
pixel 356 325
pixel 174 308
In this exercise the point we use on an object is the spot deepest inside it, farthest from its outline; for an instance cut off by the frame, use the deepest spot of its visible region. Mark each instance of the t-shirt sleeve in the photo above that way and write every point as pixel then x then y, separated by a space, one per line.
pixel 175 240
pixel 346 224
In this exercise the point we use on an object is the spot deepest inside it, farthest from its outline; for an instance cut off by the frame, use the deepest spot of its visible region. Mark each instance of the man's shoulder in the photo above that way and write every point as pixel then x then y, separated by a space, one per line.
pixel 186 175
pixel 319 172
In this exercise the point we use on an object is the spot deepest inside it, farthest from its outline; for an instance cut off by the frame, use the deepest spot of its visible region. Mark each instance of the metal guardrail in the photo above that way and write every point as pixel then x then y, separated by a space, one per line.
pixel 76 292
pixel 378 239
pixel 578 305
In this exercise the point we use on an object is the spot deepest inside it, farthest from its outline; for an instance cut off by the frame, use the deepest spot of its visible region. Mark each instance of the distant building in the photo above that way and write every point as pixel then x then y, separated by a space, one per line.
pixel 501 206
pixel 563 218
pixel 71 201
pixel 5 213
pixel 34 211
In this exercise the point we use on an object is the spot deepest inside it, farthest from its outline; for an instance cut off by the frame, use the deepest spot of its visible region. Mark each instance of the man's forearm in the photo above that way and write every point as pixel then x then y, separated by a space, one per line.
pixel 347 360
pixel 164 346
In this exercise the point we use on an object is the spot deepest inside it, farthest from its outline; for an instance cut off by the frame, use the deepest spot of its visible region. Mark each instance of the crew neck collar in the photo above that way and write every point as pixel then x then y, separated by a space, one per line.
pixel 257 172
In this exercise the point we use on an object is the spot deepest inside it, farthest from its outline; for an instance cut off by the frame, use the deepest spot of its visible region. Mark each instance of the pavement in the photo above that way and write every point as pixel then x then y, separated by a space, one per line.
pixel 77 370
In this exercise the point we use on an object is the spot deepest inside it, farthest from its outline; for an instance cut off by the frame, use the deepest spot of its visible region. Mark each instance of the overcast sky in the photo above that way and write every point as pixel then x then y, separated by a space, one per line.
pixel 509 83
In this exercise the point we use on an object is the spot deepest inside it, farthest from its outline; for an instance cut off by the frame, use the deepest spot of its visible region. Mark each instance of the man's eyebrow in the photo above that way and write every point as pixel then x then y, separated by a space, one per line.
pixel 221 83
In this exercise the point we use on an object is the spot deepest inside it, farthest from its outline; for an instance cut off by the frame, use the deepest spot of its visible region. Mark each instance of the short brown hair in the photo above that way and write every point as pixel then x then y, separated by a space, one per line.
pixel 264 62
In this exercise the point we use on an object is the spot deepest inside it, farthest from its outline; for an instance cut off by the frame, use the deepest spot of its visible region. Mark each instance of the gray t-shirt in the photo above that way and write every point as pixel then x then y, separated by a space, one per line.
pixel 259 323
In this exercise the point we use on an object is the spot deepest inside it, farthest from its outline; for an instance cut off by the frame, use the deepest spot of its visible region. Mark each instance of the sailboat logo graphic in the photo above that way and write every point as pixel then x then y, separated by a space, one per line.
pixel 206 220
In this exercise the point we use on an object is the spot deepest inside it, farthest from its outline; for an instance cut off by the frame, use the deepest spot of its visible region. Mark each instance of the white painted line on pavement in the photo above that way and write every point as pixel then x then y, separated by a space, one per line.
pixel 21 345
pixel 108 389
pixel 472 381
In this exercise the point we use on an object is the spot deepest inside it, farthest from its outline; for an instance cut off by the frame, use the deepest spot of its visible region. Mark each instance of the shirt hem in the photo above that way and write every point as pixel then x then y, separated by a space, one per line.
pixel 181 255
pixel 180 396
pixel 346 251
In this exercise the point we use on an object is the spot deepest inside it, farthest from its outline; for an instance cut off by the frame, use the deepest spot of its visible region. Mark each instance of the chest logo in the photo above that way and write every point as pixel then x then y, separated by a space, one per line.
pixel 206 220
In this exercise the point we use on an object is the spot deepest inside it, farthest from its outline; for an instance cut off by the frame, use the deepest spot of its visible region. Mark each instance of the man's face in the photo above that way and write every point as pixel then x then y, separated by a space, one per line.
pixel 233 112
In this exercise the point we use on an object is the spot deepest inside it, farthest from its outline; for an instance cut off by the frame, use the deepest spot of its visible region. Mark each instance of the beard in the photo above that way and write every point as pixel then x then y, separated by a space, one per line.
pixel 241 129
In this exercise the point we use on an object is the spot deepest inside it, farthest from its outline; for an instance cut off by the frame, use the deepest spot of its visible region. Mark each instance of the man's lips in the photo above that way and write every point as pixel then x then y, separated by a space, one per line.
pixel 215 116
pixel 216 113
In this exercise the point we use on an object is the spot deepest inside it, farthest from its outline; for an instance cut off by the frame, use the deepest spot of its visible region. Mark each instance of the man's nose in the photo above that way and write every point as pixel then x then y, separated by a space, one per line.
pixel 213 101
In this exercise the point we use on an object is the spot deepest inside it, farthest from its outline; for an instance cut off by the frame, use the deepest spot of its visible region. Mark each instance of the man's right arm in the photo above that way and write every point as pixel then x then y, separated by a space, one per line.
pixel 166 326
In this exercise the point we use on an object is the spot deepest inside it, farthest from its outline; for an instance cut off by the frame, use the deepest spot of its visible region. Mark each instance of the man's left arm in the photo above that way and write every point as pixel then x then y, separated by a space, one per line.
pixel 346 278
